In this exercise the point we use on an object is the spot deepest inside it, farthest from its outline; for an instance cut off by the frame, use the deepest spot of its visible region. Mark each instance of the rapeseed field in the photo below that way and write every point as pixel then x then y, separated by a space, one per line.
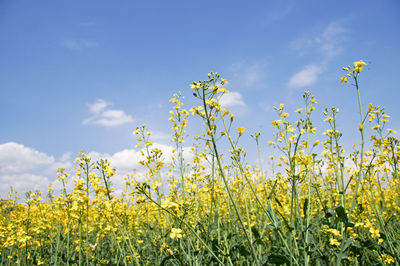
pixel 316 205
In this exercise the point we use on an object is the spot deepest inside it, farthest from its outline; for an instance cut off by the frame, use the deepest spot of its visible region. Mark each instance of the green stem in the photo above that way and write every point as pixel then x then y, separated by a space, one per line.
pixel 353 204
pixel 222 173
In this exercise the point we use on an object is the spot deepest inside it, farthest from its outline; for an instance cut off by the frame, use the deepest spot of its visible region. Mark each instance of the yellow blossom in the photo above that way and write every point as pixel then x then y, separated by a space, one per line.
pixel 343 79
pixel 283 115
pixel 358 66
pixel 276 122
pixel 334 242
pixel 176 233
pixel 375 127
pixel 241 130
pixel 374 232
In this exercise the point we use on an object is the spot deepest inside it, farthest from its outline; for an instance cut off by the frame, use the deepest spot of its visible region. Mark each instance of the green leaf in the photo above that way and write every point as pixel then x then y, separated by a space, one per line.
pixel 255 232
pixel 341 213
pixel 165 259
pixel 329 215
pixel 276 260
pixel 243 251
pixel 305 206
pixel 348 243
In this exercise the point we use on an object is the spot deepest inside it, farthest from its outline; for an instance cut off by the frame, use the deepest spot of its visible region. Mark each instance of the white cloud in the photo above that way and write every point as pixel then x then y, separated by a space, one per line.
pixel 24 168
pixel 329 41
pixel 65 161
pixel 305 77
pixel 78 44
pixel 98 106
pixel 106 117
pixel 16 158
pixel 231 99
pixel 127 160
pixel 23 182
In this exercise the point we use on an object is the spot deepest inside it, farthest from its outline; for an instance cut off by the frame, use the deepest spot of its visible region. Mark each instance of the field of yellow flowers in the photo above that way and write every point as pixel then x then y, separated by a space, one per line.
pixel 312 207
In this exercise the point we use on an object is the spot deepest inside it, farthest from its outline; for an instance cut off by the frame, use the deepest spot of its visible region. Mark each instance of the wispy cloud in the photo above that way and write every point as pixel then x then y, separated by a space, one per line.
pixel 277 14
pixel 305 77
pixel 231 99
pixel 326 43
pixel 247 75
pixel 329 41
pixel 78 44
pixel 103 116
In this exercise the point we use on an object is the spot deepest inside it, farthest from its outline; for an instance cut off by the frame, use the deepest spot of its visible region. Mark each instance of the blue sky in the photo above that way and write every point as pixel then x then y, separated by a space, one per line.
pixel 83 74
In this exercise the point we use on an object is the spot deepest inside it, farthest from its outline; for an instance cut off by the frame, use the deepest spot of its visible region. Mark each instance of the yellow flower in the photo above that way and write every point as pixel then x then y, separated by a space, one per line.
pixel 370 107
pixel 148 143
pixel 276 122
pixel 334 242
pixel 334 232
pixel 156 184
pixel 388 259
pixel 176 233
pixel 92 247
pixel 360 63
pixel 358 66
pixel 375 127
pixel 195 86
pixel 313 130
pixel 141 199
pixel 223 90
pixel 374 232
pixel 283 115
pixel 343 79
pixel 41 262
pixel 241 130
